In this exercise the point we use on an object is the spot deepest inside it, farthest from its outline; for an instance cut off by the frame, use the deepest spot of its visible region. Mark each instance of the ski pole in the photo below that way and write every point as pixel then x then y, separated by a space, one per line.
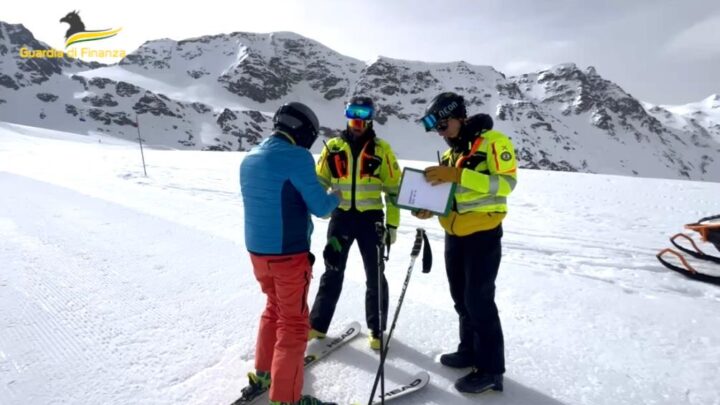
pixel 380 229
pixel 419 236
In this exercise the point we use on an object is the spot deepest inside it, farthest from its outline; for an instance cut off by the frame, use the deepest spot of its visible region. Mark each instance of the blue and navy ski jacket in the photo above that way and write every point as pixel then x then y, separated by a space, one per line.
pixel 280 190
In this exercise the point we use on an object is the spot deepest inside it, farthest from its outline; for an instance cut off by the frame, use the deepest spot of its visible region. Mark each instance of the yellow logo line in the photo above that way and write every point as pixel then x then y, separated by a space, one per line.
pixel 91 36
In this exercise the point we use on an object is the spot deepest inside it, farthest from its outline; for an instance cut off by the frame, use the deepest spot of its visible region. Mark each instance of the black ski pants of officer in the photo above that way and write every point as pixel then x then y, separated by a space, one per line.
pixel 347 227
pixel 472 264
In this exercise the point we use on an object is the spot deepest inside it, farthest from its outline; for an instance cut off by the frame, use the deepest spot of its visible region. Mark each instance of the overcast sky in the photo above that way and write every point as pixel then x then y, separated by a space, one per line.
pixel 660 51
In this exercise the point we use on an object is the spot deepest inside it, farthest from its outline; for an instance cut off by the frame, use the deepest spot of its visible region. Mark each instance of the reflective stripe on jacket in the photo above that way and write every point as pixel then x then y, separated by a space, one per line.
pixel 362 182
pixel 489 175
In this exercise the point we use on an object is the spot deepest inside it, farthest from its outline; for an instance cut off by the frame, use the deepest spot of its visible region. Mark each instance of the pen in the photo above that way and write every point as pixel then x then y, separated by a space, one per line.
pixel 438 157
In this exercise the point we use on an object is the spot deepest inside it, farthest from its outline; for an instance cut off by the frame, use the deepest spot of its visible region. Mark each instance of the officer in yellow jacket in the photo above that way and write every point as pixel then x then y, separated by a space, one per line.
pixel 481 161
pixel 363 167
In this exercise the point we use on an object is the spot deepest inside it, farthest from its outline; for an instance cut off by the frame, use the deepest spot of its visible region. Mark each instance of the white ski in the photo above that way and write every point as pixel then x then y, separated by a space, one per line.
pixel 415 383
pixel 315 351
pixel 319 348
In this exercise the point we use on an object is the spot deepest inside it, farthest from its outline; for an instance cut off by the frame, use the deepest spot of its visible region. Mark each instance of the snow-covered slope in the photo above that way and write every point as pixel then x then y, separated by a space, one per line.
pixel 695 117
pixel 217 92
pixel 124 289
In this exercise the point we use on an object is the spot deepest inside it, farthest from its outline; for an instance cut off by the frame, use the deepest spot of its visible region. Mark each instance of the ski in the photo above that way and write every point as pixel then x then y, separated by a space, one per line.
pixel 316 350
pixel 320 348
pixel 414 384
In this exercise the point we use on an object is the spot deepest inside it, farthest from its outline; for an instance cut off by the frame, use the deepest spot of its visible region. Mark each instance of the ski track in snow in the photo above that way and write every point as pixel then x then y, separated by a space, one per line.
pixel 70 323
pixel 125 289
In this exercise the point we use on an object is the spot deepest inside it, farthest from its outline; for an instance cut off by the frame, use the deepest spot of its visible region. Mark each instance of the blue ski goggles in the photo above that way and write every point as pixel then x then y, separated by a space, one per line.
pixel 359 112
pixel 431 123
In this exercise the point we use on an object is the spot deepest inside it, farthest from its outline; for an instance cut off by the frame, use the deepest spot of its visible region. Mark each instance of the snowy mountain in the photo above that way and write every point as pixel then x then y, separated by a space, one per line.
pixel 218 92
pixel 125 289
pixel 697 118
pixel 49 93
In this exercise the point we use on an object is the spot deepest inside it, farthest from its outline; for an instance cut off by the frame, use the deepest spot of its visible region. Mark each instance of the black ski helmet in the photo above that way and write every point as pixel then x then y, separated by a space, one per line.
pixel 298 121
pixel 443 106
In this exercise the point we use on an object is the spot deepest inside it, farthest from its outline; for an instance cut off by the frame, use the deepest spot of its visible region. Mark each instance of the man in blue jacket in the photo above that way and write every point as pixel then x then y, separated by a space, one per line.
pixel 280 190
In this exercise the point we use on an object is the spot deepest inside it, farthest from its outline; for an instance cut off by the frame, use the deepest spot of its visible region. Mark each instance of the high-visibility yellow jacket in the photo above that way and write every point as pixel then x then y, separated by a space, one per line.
pixel 362 180
pixel 489 175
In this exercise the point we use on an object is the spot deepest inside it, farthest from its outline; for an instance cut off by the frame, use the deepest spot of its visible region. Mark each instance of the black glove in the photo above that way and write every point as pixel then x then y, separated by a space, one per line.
pixel 390 234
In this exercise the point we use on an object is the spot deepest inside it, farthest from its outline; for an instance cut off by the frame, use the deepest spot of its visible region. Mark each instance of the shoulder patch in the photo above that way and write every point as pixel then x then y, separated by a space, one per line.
pixel 504 156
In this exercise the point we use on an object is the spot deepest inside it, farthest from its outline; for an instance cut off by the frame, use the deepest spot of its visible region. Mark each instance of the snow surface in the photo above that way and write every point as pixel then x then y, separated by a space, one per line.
pixel 124 289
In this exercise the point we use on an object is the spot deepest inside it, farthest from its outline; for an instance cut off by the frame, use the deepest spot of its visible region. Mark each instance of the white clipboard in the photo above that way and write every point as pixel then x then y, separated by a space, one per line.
pixel 416 193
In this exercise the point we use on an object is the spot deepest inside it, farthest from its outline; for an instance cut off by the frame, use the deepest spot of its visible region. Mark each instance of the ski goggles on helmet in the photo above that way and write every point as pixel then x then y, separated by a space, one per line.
pixel 361 112
pixel 359 124
pixel 295 123
pixel 431 123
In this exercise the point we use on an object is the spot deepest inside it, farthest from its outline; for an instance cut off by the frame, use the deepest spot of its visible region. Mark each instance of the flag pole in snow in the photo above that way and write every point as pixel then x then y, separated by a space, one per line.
pixel 142 154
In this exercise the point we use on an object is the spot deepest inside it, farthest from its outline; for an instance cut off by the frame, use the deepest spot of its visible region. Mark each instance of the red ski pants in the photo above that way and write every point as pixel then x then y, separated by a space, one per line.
pixel 284 325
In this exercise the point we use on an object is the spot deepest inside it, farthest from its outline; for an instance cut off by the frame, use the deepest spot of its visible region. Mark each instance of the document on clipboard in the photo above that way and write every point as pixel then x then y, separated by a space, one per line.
pixel 416 193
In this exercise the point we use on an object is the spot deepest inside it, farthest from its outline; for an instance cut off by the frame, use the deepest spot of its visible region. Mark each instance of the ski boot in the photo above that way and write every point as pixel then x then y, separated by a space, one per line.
pixel 374 341
pixel 304 400
pixel 477 382
pixel 456 359
pixel 258 384
pixel 315 334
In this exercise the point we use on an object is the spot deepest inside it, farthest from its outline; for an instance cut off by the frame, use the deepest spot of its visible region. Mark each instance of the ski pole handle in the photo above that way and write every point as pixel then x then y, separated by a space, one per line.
pixel 418 242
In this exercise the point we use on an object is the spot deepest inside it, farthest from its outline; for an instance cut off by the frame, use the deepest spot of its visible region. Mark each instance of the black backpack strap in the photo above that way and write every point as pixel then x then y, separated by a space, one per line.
pixel 427 254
